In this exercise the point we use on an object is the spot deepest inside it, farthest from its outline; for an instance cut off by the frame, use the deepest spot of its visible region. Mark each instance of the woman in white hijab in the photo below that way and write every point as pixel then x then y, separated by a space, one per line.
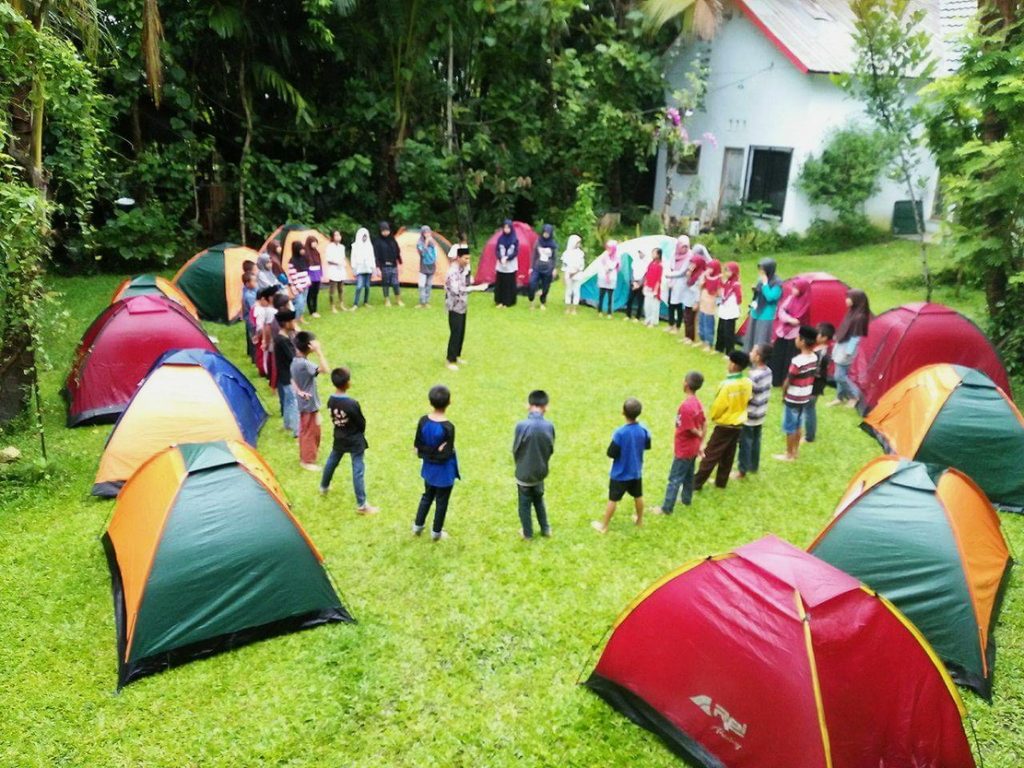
pixel 572 270
pixel 363 265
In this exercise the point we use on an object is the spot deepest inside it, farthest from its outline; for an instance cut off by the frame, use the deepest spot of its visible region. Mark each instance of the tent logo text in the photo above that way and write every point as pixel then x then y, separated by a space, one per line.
pixel 730 725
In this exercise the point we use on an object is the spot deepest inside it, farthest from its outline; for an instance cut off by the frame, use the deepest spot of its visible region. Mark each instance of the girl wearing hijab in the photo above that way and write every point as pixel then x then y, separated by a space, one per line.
pixel 316 271
pixel 336 271
pixel 426 247
pixel 794 312
pixel 852 329
pixel 676 273
pixel 265 277
pixel 652 290
pixel 767 292
pixel 363 265
pixel 707 306
pixel 699 259
pixel 638 271
pixel 542 265
pixel 607 276
pixel 573 263
pixel 729 308
pixel 507 252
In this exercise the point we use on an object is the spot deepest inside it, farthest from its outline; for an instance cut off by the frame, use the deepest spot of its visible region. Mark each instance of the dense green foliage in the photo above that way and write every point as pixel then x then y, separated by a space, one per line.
pixel 976 130
pixel 846 173
pixel 466 653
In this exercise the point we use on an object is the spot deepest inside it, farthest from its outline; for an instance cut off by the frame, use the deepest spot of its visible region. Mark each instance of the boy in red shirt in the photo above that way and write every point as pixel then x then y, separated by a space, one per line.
pixel 690 427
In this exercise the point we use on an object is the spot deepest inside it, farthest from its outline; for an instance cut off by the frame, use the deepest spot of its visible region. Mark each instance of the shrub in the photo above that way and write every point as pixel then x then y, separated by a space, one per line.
pixel 840 235
pixel 581 219
pixel 846 174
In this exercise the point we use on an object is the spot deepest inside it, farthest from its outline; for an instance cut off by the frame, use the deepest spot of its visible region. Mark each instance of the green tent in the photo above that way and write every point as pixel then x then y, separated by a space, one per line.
pixel 205 555
pixel 933 546
pixel 212 279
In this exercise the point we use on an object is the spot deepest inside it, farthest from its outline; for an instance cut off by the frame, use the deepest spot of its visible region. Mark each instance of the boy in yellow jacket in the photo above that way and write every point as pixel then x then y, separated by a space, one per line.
pixel 728 412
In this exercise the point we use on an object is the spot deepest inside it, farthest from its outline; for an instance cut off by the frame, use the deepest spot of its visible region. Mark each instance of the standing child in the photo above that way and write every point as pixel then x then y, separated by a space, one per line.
pixel 728 412
pixel 626 451
pixel 823 351
pixel 349 437
pixel 690 425
pixel 426 247
pixel 797 390
pixel 652 290
pixel 316 274
pixel 304 372
pixel 542 265
pixel 851 330
pixel 336 272
pixel 435 445
pixel 707 305
pixel 607 276
pixel 298 279
pixel 638 267
pixel 363 265
pixel 284 354
pixel 262 312
pixel 248 302
pixel 691 292
pixel 729 308
pixel 573 264
pixel 532 446
pixel 757 409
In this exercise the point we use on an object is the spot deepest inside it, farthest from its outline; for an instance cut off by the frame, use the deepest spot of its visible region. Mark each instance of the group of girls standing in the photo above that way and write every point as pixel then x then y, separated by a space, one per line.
pixel 300 278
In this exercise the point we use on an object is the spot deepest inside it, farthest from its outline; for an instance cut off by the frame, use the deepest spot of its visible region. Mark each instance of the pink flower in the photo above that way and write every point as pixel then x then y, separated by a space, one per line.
pixel 710 138
pixel 673 115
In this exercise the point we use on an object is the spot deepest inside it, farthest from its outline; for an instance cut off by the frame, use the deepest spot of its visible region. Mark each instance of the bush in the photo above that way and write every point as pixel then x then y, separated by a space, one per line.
pixel 743 233
pixel 581 219
pixel 846 174
pixel 833 236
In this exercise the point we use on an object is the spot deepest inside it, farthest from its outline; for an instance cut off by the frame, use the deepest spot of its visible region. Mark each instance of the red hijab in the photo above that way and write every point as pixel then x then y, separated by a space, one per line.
pixel 731 285
pixel 713 277
pixel 697 265
pixel 798 302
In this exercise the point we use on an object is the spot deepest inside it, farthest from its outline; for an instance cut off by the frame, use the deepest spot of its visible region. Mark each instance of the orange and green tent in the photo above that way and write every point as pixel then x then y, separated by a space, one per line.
pixel 205 556
pixel 933 546
pixel 212 280
pixel 958 417
pixel 287 234
pixel 188 396
pixel 147 285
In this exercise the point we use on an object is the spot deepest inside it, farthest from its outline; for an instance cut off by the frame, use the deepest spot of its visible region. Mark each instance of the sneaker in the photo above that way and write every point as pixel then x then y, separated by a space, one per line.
pixel 435 537
pixel 417 529
pixel 417 306
pixel 451 366
pixel 310 467
pixel 387 302
pixel 524 538
pixel 460 360
pixel 316 314
pixel 334 310
pixel 596 525
pixel 323 491
pixel 546 534
pixel 366 509
pixel 544 307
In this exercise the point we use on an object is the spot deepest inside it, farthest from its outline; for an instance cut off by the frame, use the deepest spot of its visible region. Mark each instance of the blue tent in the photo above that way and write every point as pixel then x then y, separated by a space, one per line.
pixel 589 290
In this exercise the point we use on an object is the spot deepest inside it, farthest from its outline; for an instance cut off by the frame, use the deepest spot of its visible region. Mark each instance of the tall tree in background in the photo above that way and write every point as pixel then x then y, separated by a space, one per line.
pixel 893 63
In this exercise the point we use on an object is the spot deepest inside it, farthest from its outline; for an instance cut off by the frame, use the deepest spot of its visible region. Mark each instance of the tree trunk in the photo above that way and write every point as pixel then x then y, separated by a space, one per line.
pixel 243 161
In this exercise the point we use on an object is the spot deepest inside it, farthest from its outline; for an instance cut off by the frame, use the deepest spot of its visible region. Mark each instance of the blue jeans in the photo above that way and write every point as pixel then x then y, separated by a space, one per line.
pixel 389 279
pixel 531 497
pixel 706 328
pixel 425 282
pixel 289 408
pixel 541 280
pixel 363 288
pixel 750 449
pixel 792 416
pixel 811 419
pixel 680 483
pixel 846 389
pixel 358 474
pixel 299 302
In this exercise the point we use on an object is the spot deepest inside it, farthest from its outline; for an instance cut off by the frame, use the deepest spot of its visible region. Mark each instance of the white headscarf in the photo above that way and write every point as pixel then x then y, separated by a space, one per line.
pixel 362 251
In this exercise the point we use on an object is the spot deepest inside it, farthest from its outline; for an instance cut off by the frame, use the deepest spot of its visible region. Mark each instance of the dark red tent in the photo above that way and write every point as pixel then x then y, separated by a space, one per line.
pixel 906 338
pixel 770 656
pixel 828 298
pixel 486 269
pixel 118 350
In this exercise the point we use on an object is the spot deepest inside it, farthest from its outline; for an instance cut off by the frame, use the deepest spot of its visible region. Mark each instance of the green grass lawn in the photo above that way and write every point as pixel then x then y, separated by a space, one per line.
pixel 467 653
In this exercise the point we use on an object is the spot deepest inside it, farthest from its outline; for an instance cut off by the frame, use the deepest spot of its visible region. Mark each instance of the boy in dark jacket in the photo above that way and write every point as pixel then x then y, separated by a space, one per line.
pixel 349 437
pixel 532 447
pixel 435 445
pixel 388 256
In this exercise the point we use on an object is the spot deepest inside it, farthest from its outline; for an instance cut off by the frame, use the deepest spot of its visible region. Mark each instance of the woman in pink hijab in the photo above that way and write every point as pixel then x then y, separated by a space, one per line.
pixel 794 311
pixel 607 276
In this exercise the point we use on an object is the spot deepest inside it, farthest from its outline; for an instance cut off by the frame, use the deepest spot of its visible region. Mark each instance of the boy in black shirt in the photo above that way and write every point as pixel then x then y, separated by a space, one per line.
pixel 823 351
pixel 284 353
pixel 349 437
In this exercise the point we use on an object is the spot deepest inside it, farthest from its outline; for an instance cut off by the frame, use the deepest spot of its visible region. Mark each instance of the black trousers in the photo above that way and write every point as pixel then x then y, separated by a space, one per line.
pixel 432 493
pixel 505 288
pixel 720 451
pixel 636 299
pixel 726 340
pixel 675 315
pixel 783 351
pixel 603 293
pixel 456 335
pixel 311 298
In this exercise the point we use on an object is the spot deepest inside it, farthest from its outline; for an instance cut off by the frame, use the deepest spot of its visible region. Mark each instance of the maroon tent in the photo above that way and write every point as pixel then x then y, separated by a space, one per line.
pixel 485 271
pixel 903 339
pixel 118 350
pixel 828 298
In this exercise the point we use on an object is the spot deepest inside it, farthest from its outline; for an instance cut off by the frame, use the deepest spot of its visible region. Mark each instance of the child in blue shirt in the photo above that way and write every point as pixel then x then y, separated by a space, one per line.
pixel 627 454
pixel 435 445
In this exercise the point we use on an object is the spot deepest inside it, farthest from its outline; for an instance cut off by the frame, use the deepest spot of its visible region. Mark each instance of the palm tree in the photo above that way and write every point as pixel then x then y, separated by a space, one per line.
pixel 705 18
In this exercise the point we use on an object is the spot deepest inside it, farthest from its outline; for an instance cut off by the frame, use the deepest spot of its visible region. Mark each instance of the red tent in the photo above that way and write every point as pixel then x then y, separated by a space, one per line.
pixel 486 270
pixel 906 338
pixel 118 350
pixel 828 298
pixel 770 656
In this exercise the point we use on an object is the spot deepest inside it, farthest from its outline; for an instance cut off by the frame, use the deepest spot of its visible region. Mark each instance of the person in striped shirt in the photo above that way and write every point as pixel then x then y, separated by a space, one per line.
pixel 797 390
pixel 298 278
pixel 760 376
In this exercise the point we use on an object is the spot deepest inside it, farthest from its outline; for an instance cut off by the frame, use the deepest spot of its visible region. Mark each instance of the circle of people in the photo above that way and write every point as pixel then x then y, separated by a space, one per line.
pixel 779 348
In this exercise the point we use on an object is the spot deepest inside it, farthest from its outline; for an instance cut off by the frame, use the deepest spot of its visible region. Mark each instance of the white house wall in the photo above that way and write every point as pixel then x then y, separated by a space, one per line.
pixel 757 97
